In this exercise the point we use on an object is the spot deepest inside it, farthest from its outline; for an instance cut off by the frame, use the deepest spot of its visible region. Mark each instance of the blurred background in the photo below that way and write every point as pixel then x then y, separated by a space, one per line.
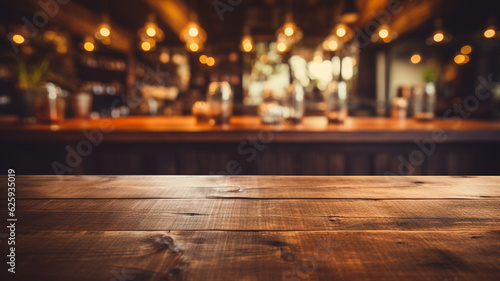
pixel 387 45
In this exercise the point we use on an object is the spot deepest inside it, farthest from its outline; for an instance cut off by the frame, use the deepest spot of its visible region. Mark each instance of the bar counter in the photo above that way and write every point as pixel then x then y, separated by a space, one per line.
pixel 181 146
pixel 256 228
pixel 312 129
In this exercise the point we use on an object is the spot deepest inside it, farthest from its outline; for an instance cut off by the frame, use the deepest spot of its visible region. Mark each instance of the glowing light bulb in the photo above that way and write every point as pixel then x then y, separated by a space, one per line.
pixel 341 32
pixel 88 46
pixel 146 46
pixel 415 59
pixel 333 45
pixel 289 31
pixel 247 46
pixel 489 33
pixel 210 61
pixel 438 37
pixel 281 47
pixel 459 59
pixel 203 59
pixel 383 33
pixel 193 31
pixel 466 50
pixel 104 30
pixel 18 39
pixel 194 47
pixel 151 32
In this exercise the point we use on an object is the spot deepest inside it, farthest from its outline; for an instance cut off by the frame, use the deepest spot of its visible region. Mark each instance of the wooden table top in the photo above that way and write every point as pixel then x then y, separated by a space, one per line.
pixel 256 228
pixel 312 129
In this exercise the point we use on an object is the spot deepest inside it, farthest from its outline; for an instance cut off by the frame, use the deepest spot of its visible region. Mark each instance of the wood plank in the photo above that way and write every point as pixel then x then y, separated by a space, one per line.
pixel 241 128
pixel 278 187
pixel 258 215
pixel 214 255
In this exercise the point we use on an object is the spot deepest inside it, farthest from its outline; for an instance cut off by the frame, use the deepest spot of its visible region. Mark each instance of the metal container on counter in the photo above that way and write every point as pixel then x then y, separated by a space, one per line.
pixel 50 103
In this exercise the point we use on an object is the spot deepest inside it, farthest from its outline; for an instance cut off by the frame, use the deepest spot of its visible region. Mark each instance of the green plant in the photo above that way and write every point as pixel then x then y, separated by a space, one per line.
pixel 29 76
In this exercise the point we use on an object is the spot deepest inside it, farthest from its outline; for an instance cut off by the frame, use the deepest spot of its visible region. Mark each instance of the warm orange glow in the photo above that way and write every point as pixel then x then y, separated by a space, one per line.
pixel 105 30
pixel 341 32
pixel 289 31
pixel 194 47
pixel 210 61
pixel 383 33
pixel 489 33
pixel 438 37
pixel 466 50
pixel 281 47
pixel 203 59
pixel 193 31
pixel 333 45
pixel 18 39
pixel 151 32
pixel 164 57
pixel 461 59
pixel 146 46
pixel 247 46
pixel 415 59
pixel 106 40
pixel 88 46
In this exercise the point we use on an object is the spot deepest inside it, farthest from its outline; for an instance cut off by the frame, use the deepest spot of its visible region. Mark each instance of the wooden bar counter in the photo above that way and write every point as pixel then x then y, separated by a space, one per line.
pixel 178 145
pixel 255 228
pixel 313 129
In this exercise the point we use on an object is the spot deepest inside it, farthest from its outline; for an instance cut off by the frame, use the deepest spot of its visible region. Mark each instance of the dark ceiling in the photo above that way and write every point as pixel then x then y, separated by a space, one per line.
pixel 315 17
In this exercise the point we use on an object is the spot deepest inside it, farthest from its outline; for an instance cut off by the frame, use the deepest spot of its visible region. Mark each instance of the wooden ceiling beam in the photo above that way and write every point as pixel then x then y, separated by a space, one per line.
pixel 174 13
pixel 409 15
pixel 81 21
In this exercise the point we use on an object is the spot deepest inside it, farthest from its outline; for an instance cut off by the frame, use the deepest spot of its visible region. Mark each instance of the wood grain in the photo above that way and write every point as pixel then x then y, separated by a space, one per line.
pixel 258 215
pixel 256 228
pixel 313 129
pixel 226 255
pixel 268 187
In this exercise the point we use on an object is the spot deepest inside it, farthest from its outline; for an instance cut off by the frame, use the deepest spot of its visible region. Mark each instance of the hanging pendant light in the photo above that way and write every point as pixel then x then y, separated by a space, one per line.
pixel 247 43
pixel 344 32
pixel 193 35
pixel 151 30
pixel 104 29
pixel 384 33
pixel 288 34
pixel 439 36
pixel 89 44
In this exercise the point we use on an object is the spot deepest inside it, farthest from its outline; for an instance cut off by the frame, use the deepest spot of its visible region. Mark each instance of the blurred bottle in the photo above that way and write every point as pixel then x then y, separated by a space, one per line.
pixel 399 109
pixel 220 103
pixel 294 105
pixel 335 96
pixel 424 102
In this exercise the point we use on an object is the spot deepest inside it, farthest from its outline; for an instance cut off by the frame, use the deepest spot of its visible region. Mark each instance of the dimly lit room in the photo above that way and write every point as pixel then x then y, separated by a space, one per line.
pixel 250 139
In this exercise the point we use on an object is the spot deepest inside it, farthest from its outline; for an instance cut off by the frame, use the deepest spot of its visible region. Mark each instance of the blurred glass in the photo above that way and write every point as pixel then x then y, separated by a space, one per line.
pixel 220 103
pixel 399 109
pixel 200 111
pixel 270 110
pixel 81 104
pixel 50 103
pixel 335 96
pixel 424 102
pixel 293 106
